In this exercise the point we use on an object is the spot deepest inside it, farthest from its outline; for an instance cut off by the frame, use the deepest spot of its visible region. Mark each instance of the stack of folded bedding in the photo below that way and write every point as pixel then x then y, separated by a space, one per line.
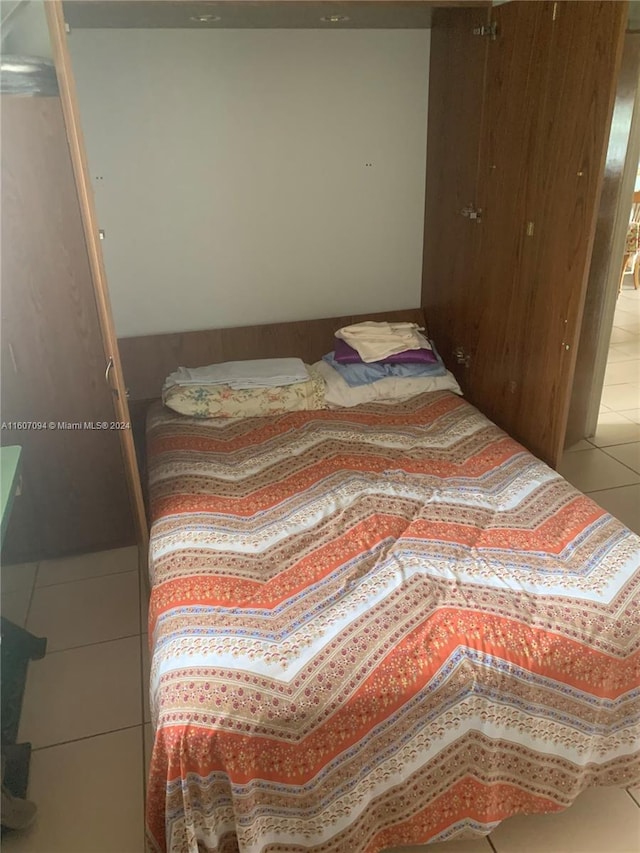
pixel 256 373
pixel 381 362
pixel 375 342
pixel 244 388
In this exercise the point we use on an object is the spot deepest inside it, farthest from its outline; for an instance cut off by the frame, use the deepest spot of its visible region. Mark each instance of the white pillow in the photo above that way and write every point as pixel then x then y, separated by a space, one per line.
pixel 339 394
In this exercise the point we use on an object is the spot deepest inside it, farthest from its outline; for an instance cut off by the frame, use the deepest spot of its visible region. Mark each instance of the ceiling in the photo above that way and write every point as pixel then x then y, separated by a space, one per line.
pixel 283 14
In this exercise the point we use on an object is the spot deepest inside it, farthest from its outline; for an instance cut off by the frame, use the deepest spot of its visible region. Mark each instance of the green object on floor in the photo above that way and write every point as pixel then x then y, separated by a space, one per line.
pixel 9 473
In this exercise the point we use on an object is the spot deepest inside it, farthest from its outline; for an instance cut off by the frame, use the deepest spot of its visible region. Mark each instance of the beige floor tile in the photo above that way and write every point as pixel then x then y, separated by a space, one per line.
pixel 14 606
pixel 623 396
pixel 629 323
pixel 621 352
pixel 476 845
pixel 583 444
pixel 624 503
pixel 628 454
pixel 87 566
pixel 632 415
pixel 588 470
pixel 625 309
pixel 626 312
pixel 604 408
pixel 615 428
pixel 17 577
pixel 629 299
pixel 146 674
pixel 82 692
pixel 635 793
pixel 89 796
pixel 631 347
pixel 619 335
pixel 148 745
pixel 602 820
pixel 620 372
pixel 88 611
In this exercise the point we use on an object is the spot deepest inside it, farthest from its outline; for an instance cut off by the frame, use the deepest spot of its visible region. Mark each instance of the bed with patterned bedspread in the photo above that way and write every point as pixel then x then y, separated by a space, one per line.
pixel 379 626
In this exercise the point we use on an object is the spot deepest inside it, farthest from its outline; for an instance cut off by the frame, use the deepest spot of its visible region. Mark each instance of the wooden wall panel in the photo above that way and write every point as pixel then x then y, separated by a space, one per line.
pixel 53 361
pixel 148 360
pixel 451 241
pixel 516 309
pixel 568 170
pixel 515 83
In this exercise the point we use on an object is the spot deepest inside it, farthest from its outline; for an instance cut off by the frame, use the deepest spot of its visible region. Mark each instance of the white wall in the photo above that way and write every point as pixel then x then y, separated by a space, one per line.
pixel 26 31
pixel 231 176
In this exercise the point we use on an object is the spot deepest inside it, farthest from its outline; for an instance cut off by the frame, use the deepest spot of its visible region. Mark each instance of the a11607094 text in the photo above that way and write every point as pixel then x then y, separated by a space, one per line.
pixel 21 426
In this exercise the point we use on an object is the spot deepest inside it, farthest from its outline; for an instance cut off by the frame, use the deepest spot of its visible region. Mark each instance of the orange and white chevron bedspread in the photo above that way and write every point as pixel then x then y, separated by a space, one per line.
pixel 375 627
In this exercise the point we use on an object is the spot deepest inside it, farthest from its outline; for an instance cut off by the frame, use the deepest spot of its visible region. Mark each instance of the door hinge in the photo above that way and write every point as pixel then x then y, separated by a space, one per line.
pixel 461 356
pixel 490 30
pixel 472 212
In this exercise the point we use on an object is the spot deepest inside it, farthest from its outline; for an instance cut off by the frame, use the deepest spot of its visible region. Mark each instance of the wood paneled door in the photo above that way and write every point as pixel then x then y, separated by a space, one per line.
pixel 74 495
pixel 549 82
pixel 451 240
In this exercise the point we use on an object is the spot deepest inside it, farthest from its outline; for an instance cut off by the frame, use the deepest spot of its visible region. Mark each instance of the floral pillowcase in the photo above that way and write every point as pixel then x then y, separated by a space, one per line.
pixel 221 401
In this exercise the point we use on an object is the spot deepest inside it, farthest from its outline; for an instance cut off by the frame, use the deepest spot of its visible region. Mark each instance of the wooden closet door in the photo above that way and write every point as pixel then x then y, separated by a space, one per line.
pixel 73 478
pixel 573 134
pixel 451 240
pixel 75 138
pixel 547 98
pixel 515 82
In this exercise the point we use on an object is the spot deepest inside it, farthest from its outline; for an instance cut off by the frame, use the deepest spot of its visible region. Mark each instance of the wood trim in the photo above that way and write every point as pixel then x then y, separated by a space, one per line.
pixel 149 359
pixel 71 112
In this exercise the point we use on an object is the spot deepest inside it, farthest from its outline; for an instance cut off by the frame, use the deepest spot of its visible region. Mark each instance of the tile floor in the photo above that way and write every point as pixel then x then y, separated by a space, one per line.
pixel 86 708
pixel 607 466
pixel 84 711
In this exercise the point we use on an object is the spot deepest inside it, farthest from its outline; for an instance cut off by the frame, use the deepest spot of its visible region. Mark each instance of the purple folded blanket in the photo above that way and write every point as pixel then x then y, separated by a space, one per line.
pixel 344 354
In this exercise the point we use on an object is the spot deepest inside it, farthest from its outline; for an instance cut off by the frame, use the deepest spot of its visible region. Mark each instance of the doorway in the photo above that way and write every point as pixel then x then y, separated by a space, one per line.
pixel 611 322
pixel 619 412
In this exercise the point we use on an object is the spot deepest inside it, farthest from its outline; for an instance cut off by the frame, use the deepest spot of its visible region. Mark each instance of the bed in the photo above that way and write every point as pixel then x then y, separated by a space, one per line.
pixel 375 627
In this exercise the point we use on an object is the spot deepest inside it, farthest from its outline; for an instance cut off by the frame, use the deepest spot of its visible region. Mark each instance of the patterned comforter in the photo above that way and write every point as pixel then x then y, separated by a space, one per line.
pixel 378 626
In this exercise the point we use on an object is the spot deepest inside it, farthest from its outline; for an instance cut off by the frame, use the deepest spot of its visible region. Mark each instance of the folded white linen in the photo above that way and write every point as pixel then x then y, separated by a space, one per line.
pixel 257 373
pixel 375 341
pixel 389 390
